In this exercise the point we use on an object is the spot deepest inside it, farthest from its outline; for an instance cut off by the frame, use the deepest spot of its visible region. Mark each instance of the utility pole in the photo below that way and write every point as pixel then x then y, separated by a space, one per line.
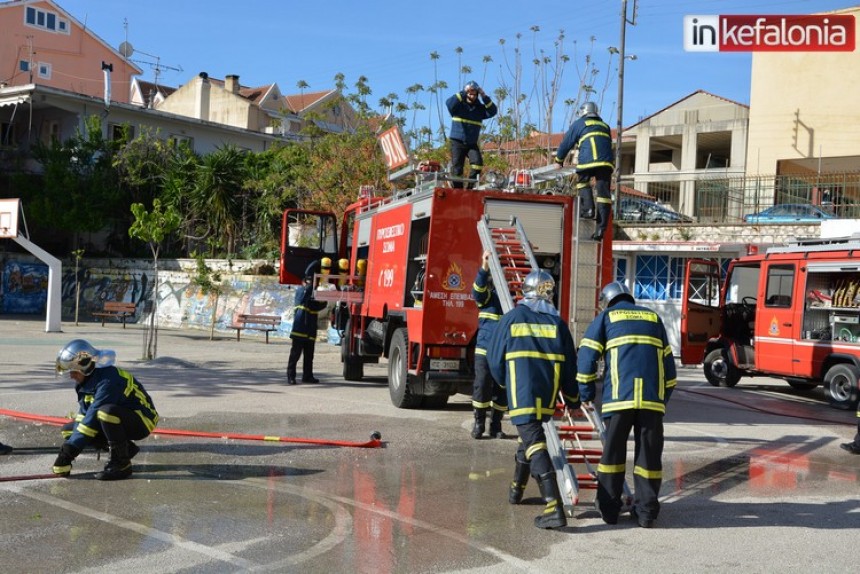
pixel 620 121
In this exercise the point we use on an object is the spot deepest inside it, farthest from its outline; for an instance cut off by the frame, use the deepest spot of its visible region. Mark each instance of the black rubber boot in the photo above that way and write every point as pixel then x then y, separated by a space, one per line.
pixel 521 479
pixel 480 422
pixel 119 465
pixel 553 514
pixel 133 449
pixel 496 424
pixel 5 449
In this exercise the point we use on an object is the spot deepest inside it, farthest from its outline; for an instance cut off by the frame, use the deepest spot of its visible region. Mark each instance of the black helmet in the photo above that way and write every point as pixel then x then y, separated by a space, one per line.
pixel 614 292
pixel 472 85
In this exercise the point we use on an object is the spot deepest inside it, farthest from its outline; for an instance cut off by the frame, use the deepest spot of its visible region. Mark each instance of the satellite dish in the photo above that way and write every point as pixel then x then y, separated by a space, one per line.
pixel 126 49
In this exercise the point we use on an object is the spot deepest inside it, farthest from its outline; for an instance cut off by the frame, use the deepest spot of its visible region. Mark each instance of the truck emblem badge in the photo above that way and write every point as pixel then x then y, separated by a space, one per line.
pixel 454 278
pixel 774 327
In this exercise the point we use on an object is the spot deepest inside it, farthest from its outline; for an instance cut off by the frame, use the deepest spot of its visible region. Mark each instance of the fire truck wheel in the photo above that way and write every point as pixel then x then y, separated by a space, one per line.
pixel 719 371
pixel 398 373
pixel 353 368
pixel 840 384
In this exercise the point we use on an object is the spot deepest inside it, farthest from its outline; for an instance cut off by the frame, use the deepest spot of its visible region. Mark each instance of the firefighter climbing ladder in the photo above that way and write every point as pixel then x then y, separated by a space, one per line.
pixel 511 260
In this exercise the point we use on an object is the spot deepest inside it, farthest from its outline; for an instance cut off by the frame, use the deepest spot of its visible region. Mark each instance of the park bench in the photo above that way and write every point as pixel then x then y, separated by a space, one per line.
pixel 117 309
pixel 266 323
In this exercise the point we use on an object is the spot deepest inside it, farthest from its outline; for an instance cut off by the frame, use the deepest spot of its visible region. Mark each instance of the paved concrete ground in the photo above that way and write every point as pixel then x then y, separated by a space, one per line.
pixel 755 480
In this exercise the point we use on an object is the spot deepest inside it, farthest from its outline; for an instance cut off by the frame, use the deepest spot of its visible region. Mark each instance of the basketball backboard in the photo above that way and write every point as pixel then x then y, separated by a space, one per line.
pixel 9 209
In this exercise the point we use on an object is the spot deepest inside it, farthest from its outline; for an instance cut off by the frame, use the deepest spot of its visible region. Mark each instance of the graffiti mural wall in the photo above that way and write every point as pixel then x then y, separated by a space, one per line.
pixel 181 304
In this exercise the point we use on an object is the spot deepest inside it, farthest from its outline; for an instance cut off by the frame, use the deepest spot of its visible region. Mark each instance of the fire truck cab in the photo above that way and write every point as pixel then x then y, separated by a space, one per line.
pixel 413 257
pixel 792 312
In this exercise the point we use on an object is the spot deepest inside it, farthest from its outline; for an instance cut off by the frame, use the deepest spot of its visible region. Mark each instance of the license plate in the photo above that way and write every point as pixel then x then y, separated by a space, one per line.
pixel 444 364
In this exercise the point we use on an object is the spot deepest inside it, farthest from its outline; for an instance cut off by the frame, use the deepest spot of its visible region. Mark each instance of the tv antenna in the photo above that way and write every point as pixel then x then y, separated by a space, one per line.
pixel 127 50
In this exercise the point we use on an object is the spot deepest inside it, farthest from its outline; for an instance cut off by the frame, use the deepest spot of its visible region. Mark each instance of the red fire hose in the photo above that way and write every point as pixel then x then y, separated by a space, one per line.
pixel 374 442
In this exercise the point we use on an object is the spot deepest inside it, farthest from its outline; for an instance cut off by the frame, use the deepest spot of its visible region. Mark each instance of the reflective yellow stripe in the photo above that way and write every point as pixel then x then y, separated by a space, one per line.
pixel 465 121
pixel 535 448
pixel 533 355
pixel 583 378
pixel 480 351
pixel 611 468
pixel 592 344
pixel 633 315
pixel 649 474
pixel 303 308
pixel 634 340
pixel 488 315
pixel 108 418
pixel 534 330
pixel 85 430
pixel 613 371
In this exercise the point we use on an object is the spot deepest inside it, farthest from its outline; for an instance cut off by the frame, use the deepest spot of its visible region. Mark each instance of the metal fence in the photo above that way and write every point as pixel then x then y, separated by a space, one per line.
pixel 729 199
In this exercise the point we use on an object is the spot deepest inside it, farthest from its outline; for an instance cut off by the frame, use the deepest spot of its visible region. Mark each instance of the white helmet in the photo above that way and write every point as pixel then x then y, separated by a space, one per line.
pixel 81 357
pixel 588 109
pixel 614 292
pixel 538 285
pixel 472 85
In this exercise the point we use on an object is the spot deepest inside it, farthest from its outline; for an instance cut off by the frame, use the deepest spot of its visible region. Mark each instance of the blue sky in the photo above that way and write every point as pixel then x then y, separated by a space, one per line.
pixel 390 42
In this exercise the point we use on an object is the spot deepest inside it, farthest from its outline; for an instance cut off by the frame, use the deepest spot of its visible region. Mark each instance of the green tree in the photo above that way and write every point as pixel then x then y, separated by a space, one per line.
pixel 153 227
pixel 217 198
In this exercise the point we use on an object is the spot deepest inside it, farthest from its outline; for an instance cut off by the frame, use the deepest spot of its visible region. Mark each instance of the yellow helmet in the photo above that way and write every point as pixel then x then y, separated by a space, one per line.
pixel 343 264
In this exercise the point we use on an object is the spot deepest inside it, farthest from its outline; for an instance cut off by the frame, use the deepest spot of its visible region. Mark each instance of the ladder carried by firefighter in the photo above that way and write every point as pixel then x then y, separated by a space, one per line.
pixel 510 261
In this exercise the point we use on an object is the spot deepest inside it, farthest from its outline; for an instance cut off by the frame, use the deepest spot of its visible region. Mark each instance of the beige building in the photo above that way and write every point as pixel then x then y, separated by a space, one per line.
pixel 805 117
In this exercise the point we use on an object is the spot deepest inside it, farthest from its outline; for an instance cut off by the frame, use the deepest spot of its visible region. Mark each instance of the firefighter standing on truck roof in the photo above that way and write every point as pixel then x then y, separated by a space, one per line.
pixel 638 381
pixel 595 159
pixel 532 352
pixel 114 410
pixel 303 335
pixel 467 114
pixel 486 393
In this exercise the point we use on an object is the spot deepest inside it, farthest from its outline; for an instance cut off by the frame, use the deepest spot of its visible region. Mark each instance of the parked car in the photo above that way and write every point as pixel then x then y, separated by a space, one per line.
pixel 790 213
pixel 633 209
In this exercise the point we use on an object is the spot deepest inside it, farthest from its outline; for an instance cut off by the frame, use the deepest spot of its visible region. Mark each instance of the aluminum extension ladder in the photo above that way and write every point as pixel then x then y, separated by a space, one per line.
pixel 511 260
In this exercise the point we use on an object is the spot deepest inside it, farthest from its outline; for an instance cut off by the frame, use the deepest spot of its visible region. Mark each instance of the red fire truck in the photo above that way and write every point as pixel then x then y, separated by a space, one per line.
pixel 412 259
pixel 792 312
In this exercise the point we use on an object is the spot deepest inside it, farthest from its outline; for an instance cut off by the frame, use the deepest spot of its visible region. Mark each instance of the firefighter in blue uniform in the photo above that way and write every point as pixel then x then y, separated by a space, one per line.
pixel 468 109
pixel 305 325
pixel 596 159
pixel 114 410
pixel 532 352
pixel 487 395
pixel 638 381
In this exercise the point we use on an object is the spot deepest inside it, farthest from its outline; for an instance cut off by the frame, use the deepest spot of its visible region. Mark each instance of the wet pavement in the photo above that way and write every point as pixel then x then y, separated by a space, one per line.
pixel 754 477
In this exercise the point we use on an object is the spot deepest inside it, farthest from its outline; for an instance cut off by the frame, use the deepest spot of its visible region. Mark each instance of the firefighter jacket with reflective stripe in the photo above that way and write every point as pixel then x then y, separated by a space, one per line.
pixel 108 386
pixel 305 319
pixel 466 118
pixel 489 310
pixel 594 139
pixel 639 371
pixel 533 357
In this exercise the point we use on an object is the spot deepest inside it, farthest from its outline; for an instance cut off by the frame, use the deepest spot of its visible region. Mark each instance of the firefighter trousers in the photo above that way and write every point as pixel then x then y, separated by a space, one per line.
pixel 486 393
pixel 647 429
pixel 532 448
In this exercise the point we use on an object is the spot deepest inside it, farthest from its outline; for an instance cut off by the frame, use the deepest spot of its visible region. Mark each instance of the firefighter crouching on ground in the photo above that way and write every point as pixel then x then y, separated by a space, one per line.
pixel 638 381
pixel 305 325
pixel 532 354
pixel 115 410
pixel 486 393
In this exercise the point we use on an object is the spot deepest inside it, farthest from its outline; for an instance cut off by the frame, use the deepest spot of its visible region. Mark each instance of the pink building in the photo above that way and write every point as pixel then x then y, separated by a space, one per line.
pixel 42 44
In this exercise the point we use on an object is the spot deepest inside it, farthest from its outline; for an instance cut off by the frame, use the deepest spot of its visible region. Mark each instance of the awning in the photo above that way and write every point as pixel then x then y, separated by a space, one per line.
pixel 13 100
